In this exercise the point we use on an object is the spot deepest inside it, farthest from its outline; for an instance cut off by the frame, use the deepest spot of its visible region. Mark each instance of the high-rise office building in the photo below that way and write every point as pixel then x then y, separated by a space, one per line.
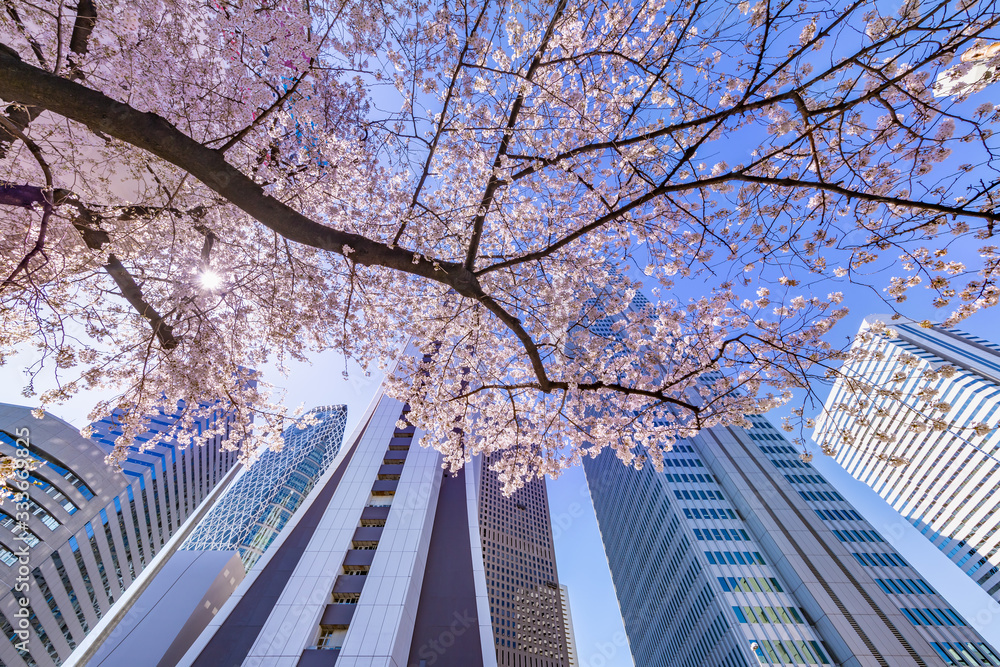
pixel 90 531
pixel 259 504
pixel 739 553
pixel 947 486
pixel 392 560
pixel 573 658
pixel 376 568
pixel 526 606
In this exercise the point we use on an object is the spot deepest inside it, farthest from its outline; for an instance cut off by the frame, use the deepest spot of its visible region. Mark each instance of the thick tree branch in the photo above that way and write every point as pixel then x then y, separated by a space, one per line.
pixel 79 41
pixel 20 82
pixel 133 294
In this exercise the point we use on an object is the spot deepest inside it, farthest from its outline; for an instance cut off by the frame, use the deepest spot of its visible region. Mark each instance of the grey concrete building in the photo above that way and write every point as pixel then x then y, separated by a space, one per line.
pixel 739 553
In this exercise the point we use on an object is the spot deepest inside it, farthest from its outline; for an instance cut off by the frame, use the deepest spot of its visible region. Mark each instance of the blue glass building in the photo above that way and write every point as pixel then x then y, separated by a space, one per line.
pixel 261 501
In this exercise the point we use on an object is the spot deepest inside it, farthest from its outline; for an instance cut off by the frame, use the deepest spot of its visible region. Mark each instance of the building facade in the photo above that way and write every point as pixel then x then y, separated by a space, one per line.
pixel 376 568
pixel 91 530
pixel 947 487
pixel 394 561
pixel 739 553
pixel 261 501
pixel 529 625
pixel 573 658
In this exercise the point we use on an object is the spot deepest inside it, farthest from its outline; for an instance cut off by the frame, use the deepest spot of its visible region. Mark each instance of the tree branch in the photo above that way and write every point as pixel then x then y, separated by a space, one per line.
pixel 495 180
pixel 133 294
pixel 23 83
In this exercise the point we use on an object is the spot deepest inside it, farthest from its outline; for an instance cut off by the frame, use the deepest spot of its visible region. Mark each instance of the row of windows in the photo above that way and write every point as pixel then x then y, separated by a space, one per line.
pixel 47 460
pixel 696 494
pixel 789 463
pixel 750 584
pixel 805 479
pixel 22 533
pixel 689 478
pixel 773 651
pixel 966 654
pixel 682 463
pixel 905 587
pixel 841 515
pixel 733 535
pixel 858 536
pixel 942 342
pixel 776 449
pixel 932 616
pixel 883 559
pixel 734 558
pixel 709 513
pixel 768 615
pixel 765 436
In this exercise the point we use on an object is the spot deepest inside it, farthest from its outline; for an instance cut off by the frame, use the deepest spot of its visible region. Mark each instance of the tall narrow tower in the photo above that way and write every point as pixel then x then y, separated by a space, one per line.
pixel 525 601
pixel 947 488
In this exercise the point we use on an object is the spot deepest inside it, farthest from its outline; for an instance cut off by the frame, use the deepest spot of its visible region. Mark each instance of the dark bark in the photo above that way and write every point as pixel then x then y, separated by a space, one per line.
pixel 86 222
pixel 20 82
pixel 86 19
pixel 133 294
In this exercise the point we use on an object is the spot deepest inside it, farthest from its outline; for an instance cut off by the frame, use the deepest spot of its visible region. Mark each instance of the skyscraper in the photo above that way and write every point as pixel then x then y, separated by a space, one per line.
pixel 393 561
pixel 377 567
pixel 91 531
pixel 740 554
pixel 259 504
pixel 526 605
pixel 947 486
pixel 573 658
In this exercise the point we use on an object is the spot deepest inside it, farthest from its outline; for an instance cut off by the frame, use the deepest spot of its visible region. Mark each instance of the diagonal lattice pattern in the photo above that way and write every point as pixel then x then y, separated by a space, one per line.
pixel 251 514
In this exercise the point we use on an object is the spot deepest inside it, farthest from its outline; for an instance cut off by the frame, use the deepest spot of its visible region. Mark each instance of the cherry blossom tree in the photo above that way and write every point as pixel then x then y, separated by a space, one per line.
pixel 193 189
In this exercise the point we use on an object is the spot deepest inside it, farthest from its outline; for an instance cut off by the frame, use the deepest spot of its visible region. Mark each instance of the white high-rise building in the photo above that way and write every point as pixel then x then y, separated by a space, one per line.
pixel 945 485
pixel 572 657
